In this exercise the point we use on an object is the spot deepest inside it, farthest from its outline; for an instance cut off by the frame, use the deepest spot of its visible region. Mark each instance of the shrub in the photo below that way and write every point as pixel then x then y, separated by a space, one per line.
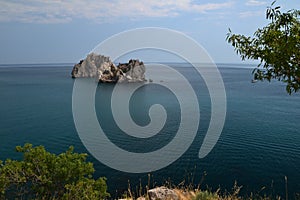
pixel 43 175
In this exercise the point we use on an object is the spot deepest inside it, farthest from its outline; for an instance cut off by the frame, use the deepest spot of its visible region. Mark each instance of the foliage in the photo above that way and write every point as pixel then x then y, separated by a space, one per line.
pixel 276 46
pixel 43 175
pixel 87 189
pixel 206 195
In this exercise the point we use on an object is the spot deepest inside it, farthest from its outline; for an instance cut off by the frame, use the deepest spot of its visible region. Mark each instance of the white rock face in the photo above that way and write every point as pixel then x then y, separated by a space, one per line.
pixel 89 66
pixel 162 193
pixel 101 67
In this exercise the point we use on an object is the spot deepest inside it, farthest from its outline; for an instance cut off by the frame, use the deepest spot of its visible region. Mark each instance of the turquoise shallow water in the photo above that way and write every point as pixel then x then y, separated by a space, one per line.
pixel 259 145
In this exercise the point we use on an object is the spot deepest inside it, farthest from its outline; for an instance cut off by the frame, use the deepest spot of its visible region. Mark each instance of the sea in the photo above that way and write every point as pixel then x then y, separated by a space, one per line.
pixel 258 149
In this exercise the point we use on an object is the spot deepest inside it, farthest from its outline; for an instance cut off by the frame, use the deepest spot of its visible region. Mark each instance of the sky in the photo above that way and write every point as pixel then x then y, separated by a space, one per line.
pixel 65 31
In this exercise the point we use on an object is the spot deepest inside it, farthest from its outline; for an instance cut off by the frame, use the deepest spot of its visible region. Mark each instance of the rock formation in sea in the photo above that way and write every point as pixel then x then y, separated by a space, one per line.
pixel 102 68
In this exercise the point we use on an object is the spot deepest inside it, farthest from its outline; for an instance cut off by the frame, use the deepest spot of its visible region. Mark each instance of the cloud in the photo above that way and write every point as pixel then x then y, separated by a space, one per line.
pixel 255 3
pixel 61 11
pixel 251 14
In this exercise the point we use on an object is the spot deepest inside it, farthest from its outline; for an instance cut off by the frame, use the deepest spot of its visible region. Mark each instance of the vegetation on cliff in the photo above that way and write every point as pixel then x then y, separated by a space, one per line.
pixel 43 175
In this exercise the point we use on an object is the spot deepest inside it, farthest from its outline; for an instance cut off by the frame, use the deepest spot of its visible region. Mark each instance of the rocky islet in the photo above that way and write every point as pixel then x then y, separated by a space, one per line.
pixel 102 68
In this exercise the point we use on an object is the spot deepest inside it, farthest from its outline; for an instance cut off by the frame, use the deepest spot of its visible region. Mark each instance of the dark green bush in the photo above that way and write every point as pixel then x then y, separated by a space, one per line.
pixel 43 175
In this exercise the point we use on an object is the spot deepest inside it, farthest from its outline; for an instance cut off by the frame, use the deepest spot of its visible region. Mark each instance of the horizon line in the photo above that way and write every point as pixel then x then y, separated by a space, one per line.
pixel 154 62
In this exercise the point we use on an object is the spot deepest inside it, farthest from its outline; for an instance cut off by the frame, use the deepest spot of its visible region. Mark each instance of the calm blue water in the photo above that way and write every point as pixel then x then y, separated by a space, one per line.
pixel 259 145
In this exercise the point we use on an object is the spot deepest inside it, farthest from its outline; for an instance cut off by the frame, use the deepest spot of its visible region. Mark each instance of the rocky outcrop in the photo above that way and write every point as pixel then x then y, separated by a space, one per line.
pixel 89 66
pixel 133 71
pixel 102 68
pixel 162 193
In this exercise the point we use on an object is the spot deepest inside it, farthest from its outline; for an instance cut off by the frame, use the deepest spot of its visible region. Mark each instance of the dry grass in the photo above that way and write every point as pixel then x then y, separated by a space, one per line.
pixel 191 193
